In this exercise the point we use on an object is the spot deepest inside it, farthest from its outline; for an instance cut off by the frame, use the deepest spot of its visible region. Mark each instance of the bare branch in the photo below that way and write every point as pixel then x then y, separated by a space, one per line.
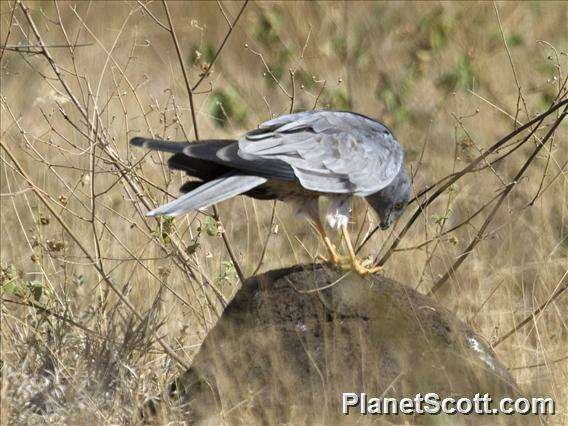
pixel 563 286
pixel 183 70
pixel 86 251
pixel 491 215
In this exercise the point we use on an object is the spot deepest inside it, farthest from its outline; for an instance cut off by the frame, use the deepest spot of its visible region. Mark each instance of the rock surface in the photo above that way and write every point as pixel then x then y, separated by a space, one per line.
pixel 292 340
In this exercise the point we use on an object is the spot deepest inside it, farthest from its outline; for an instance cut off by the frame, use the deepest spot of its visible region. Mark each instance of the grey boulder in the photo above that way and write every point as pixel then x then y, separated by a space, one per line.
pixel 293 340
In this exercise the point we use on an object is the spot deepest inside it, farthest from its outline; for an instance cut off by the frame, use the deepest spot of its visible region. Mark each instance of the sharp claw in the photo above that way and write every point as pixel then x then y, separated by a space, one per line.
pixel 346 264
pixel 364 271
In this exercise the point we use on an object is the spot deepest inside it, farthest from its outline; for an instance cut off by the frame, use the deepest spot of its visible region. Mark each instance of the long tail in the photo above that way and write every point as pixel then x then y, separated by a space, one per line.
pixel 158 145
pixel 207 147
pixel 197 159
pixel 215 191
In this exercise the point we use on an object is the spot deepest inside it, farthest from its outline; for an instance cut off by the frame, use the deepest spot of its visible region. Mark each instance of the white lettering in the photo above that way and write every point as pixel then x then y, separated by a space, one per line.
pixel 374 406
pixel 464 405
pixel 349 400
pixel 432 402
pixel 406 406
pixel 390 405
pixel 446 408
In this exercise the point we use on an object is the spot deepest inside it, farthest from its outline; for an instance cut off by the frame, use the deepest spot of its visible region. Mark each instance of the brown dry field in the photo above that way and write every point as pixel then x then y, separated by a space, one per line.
pixel 449 79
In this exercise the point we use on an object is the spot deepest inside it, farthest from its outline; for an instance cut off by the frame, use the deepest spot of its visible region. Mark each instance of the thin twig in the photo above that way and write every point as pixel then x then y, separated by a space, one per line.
pixel 183 70
pixel 479 236
pixel 49 312
pixel 151 15
pixel 534 313
pixel 13 11
pixel 86 251
pixel 216 215
pixel 443 184
pixel 494 148
pixel 224 14
pixel 520 96
pixel 231 28
pixel 26 48
pixel 540 364
pixel 452 229
pixel 265 245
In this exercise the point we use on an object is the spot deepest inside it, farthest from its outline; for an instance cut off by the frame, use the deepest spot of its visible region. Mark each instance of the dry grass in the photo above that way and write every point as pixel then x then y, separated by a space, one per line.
pixel 449 79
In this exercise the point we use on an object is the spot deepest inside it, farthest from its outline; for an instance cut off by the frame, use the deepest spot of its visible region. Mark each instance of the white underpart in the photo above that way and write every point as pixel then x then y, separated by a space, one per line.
pixel 338 211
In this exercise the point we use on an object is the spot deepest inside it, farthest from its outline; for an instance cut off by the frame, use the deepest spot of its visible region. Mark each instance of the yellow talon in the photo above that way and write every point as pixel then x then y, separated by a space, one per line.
pixel 345 263
pixel 363 270
pixel 355 263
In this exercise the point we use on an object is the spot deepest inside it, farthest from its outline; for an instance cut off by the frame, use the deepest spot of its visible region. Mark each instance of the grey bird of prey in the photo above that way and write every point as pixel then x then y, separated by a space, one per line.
pixel 297 158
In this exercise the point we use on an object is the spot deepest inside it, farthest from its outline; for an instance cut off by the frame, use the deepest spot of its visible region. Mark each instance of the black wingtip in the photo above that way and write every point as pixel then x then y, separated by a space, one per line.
pixel 138 141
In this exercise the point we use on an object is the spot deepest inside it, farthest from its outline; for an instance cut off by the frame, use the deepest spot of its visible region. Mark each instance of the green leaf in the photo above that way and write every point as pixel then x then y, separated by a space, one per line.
pixel 10 281
pixel 394 104
pixel 462 77
pixel 36 289
pixel 204 53
pixel 229 268
pixel 440 219
pixel 227 105
pixel 211 227
pixel 514 40
pixel 338 46
pixel 437 27
pixel 336 99
pixel 208 53
pixel 267 28
pixel 165 228
pixel 79 279
pixel 192 248
pixel 11 287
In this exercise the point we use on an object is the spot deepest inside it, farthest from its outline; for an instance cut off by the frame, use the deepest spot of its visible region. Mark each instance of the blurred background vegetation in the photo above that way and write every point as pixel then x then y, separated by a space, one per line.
pixel 449 79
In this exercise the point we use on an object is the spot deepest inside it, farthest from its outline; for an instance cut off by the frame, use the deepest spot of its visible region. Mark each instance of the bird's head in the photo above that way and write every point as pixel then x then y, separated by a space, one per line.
pixel 391 201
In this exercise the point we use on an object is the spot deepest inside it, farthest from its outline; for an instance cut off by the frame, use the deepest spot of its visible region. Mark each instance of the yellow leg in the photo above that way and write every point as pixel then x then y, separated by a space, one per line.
pixel 335 257
pixel 355 263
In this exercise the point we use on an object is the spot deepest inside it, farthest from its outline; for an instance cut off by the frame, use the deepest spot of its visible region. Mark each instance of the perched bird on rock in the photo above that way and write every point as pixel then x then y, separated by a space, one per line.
pixel 297 158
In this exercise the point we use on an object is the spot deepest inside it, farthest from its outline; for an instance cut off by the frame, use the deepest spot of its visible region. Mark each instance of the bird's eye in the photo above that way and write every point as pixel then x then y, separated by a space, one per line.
pixel 398 206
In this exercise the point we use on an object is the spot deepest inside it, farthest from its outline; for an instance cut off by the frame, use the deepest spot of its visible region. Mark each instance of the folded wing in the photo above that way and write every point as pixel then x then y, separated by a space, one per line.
pixel 209 193
pixel 329 151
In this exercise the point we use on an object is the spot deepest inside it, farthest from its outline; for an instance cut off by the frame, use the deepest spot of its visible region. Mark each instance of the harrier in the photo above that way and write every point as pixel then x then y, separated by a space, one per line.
pixel 297 158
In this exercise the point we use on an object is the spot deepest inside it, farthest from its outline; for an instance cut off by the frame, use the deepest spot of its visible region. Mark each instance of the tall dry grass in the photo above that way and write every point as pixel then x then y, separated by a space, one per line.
pixel 102 306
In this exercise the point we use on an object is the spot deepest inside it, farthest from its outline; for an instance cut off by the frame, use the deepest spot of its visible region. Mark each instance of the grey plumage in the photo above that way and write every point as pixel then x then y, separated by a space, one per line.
pixel 212 192
pixel 390 202
pixel 158 145
pixel 329 151
pixel 296 156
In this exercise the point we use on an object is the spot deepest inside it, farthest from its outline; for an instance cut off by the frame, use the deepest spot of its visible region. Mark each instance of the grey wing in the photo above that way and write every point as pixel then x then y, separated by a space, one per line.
pixel 221 151
pixel 209 193
pixel 329 151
